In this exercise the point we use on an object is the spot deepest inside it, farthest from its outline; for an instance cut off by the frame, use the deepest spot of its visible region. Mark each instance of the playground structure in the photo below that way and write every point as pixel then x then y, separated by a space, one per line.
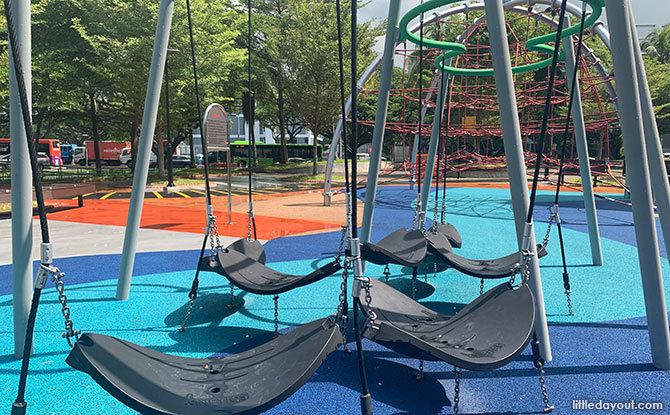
pixel 641 145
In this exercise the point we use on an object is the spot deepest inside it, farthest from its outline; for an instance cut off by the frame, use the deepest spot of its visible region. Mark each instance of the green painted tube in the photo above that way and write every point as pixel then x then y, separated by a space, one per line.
pixel 453 49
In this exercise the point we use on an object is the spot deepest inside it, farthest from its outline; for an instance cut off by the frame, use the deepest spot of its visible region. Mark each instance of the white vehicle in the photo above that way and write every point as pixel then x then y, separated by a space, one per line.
pixel 79 155
pixel 126 158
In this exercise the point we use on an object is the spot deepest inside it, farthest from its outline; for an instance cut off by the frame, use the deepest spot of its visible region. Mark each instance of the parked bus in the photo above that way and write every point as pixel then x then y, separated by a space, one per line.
pixel 48 146
pixel 267 153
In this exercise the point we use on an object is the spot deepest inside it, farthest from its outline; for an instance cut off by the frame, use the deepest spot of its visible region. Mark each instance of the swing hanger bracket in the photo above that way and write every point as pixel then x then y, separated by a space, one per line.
pixel 556 217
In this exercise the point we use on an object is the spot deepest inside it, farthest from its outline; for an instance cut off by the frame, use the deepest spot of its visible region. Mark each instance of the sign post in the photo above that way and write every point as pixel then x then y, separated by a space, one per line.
pixel 215 125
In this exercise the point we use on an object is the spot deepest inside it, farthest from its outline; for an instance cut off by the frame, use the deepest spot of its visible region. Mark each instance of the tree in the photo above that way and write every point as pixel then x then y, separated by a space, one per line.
pixel 657 44
pixel 313 64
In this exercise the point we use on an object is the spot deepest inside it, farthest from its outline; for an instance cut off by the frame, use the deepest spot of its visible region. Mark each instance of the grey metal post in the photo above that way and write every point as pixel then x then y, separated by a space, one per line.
pixel 21 183
pixel 657 171
pixel 229 160
pixel 327 184
pixel 516 168
pixel 415 144
pixel 618 16
pixel 151 103
pixel 583 154
pixel 380 119
pixel 434 137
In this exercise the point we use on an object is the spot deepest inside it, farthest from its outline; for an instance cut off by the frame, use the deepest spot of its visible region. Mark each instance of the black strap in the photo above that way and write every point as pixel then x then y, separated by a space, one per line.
pixel 573 90
pixel 446 143
pixel 420 115
pixel 342 105
pixel 547 109
pixel 203 136
pixel 19 405
pixel 251 118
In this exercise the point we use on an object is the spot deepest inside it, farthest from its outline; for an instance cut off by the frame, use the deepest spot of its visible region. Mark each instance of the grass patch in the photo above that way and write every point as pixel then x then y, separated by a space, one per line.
pixel 7 207
pixel 309 178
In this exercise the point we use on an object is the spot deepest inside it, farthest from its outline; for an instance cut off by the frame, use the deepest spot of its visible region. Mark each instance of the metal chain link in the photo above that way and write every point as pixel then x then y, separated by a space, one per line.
pixel 434 227
pixel 567 297
pixel 276 300
pixel 444 210
pixel 457 389
pixel 214 240
pixel 523 269
pixel 545 241
pixel 70 332
pixel 250 216
pixel 414 284
pixel 387 273
pixel 368 302
pixel 539 365
pixel 340 248
pixel 187 316
pixel 481 286
pixel 342 317
pixel 232 303
pixel 419 373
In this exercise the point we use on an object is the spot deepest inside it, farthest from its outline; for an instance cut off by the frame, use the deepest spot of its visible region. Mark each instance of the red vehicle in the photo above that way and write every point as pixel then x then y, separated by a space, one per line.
pixel 109 152
pixel 48 146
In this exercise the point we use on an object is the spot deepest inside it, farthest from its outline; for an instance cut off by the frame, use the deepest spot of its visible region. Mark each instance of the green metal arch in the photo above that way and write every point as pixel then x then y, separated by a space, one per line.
pixel 453 49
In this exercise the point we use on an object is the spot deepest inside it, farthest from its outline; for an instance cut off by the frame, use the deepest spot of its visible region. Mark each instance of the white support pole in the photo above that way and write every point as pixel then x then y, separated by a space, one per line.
pixel 516 168
pixel 658 172
pixel 21 182
pixel 583 155
pixel 618 16
pixel 151 103
pixel 380 120
pixel 435 136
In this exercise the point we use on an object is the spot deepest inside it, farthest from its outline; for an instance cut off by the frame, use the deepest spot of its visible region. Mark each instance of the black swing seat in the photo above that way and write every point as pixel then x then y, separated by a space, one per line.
pixel 486 334
pixel 403 247
pixel 255 277
pixel 452 234
pixel 440 251
pixel 247 383
pixel 249 247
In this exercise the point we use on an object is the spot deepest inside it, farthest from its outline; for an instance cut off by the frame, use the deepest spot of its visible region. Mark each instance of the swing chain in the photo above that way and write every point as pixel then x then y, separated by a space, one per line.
pixel 372 316
pixel 340 249
pixel 387 273
pixel 276 301
pixel 458 375
pixel 342 307
pixel 56 277
pixel 539 365
pixel 434 226
pixel 250 217
pixel 567 296
pixel 523 269
pixel 214 240
pixel 188 314
pixel 481 286
pixel 444 209
pixel 419 373
pixel 414 276
pixel 343 290
pixel 552 217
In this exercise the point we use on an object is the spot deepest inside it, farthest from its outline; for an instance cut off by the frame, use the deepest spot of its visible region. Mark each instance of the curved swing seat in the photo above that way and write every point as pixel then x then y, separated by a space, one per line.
pixel 252 276
pixel 486 334
pixel 440 250
pixel 403 247
pixel 452 234
pixel 247 383
pixel 251 248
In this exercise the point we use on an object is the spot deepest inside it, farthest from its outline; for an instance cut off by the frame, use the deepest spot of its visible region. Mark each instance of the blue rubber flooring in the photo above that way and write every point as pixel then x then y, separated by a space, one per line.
pixel 602 353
